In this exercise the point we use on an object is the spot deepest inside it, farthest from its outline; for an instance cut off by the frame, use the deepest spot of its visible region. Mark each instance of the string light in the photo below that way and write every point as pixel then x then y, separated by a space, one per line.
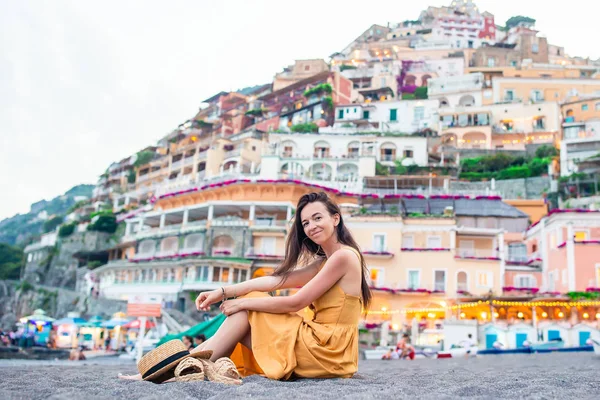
pixel 544 314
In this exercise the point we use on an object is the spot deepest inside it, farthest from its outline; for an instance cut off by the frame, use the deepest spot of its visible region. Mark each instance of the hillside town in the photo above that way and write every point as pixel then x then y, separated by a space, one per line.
pixel 463 151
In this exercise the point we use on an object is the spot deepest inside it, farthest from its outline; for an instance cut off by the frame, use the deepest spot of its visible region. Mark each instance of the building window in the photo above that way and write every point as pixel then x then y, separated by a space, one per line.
pixel 377 276
pixel 379 242
pixel 393 114
pixel 509 95
pixel 537 95
pixel 366 114
pixel 434 242
pixel 584 107
pixel 341 114
pixel 535 48
pixel 470 44
pixel 597 106
pixel 462 283
pixel 440 281
pixel 564 276
pixel 517 252
pixel 525 281
pixel 216 274
pixel 419 113
pixel 491 61
pixel 580 236
pixel 484 279
pixel 224 274
pixel 408 154
pixel 408 241
pixel 458 43
pixel 513 63
pixel 414 279
pixel 307 67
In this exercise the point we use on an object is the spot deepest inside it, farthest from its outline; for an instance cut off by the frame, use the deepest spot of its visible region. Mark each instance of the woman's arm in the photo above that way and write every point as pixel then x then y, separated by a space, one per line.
pixel 335 268
pixel 296 279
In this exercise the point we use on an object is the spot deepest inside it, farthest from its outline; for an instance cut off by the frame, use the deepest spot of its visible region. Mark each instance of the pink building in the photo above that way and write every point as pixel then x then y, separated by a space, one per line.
pixel 567 244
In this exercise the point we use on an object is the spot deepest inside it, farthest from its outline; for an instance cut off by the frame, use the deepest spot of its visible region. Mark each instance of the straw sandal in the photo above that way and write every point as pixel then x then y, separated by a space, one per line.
pixel 222 371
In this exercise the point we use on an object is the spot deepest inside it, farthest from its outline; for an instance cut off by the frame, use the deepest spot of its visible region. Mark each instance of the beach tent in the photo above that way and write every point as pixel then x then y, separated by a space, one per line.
pixel 117 320
pixel 69 321
pixel 580 333
pixel 206 328
pixel 94 322
pixel 552 331
pixel 490 333
pixel 519 333
pixel 39 324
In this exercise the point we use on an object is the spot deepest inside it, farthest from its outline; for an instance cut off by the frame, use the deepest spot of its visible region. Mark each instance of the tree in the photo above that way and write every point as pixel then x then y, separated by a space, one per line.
pixel 11 261
pixel 104 223
pixel 143 157
pixel 517 20
pixel 52 223
pixel 546 151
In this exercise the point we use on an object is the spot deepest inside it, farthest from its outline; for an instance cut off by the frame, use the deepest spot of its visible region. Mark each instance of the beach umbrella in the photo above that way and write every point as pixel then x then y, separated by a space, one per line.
pixel 138 323
pixel 94 322
pixel 113 322
pixel 38 315
pixel 69 321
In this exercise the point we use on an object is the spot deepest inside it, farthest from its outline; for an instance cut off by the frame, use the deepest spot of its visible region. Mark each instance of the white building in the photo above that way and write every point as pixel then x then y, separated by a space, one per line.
pixel 581 140
pixel 338 160
pixel 404 116
pixel 458 91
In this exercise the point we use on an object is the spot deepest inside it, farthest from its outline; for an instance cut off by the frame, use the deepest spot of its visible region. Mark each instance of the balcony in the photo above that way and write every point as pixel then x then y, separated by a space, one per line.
pixel 229 222
pixel 188 161
pixel 194 226
pixel 420 289
pixel 232 153
pixel 222 252
pixel 477 254
pixel 378 253
pixel 263 254
pixel 177 165
pixel 269 224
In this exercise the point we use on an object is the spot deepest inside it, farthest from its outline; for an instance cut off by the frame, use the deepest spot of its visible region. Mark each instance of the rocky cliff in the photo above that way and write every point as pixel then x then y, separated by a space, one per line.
pixel 19 299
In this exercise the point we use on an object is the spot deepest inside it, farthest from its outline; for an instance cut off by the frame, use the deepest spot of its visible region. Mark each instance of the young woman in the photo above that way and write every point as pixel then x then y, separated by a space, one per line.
pixel 265 335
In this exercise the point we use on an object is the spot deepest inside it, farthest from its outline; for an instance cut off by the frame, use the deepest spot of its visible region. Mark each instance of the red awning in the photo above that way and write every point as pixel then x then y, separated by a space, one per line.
pixel 138 323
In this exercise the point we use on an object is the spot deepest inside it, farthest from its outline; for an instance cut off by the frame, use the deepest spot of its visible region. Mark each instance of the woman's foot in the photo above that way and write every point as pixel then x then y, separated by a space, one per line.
pixel 137 377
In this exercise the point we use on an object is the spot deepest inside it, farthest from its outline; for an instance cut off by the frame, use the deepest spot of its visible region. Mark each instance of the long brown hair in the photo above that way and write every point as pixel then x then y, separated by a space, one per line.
pixel 299 247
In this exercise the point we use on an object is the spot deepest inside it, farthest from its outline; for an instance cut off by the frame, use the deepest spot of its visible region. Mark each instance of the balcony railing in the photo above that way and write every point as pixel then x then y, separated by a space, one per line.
pixel 222 252
pixel 263 253
pixel 388 157
pixel 477 254
pixel 229 222
pixel 272 223
pixel 177 164
pixel 232 153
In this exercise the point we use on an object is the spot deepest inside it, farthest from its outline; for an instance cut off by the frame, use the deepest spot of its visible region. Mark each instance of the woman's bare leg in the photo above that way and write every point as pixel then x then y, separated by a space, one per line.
pixel 235 329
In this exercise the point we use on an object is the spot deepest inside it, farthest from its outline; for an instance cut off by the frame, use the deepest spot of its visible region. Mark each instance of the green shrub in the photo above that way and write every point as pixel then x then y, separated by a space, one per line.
pixel 546 151
pixel 514 172
pixel 94 264
pixel 66 230
pixel 52 224
pixel 104 223
pixel 408 96
pixel 320 88
pixel 421 92
pixel 25 287
pixel 476 176
pixel 345 67
pixel 303 128
pixel 380 169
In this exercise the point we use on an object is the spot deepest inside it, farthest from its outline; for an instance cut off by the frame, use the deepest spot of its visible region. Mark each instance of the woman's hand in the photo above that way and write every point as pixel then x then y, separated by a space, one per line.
pixel 230 307
pixel 206 299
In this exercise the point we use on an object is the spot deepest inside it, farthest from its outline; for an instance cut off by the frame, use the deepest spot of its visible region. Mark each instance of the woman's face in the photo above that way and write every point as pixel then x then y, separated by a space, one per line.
pixel 187 342
pixel 317 224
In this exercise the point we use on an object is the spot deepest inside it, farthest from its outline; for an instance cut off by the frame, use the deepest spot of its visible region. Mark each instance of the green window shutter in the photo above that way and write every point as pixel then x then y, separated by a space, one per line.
pixel 393 114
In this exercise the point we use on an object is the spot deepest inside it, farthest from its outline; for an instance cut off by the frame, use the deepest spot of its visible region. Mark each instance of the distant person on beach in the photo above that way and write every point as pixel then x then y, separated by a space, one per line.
pixel 266 335
pixel 189 342
pixel 107 342
pixel 198 340
pixel 405 348
pixel 469 344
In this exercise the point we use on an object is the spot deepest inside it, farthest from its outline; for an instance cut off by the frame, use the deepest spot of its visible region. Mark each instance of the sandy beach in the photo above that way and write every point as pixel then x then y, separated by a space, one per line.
pixel 537 376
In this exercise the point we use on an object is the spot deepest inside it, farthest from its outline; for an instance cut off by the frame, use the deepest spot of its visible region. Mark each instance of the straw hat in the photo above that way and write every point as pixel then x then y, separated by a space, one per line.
pixel 158 365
